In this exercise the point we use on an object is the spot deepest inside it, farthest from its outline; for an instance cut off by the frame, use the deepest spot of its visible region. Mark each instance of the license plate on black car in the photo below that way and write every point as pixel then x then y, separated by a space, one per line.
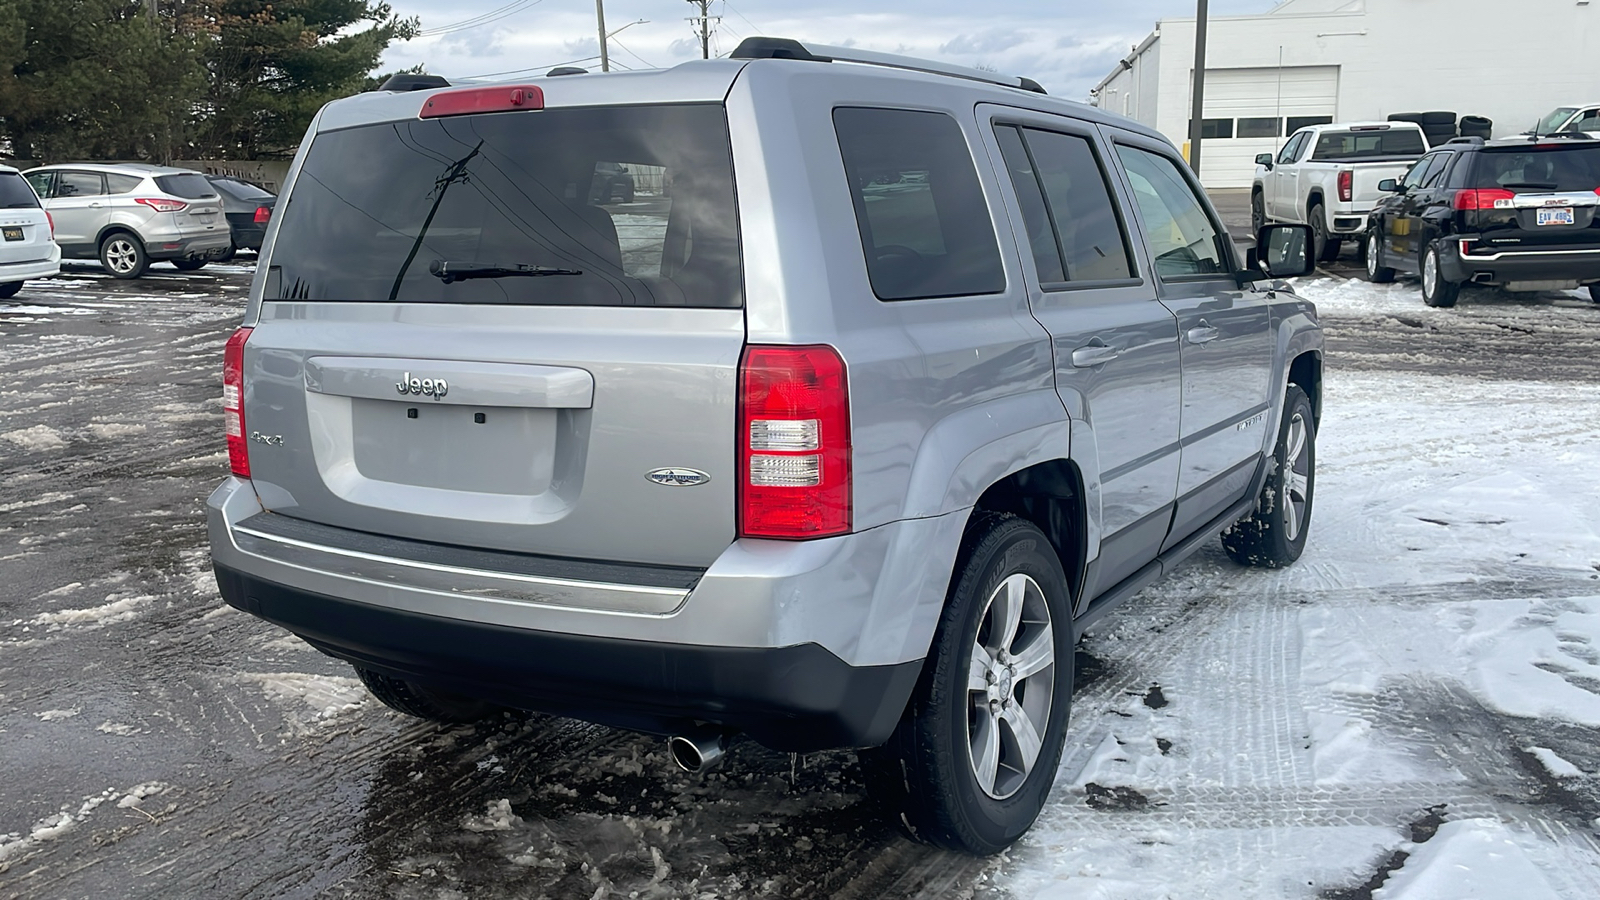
pixel 12 233
pixel 1559 216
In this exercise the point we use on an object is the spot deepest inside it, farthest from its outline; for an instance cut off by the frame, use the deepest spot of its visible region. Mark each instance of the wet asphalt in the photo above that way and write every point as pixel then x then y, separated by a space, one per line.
pixel 155 743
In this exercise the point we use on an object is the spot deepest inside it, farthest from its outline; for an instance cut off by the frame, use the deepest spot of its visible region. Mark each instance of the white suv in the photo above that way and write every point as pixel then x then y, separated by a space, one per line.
pixel 26 246
pixel 128 216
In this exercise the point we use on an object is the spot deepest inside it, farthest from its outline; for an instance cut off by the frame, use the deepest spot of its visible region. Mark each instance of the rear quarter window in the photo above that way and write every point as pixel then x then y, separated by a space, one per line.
pixel 15 193
pixel 925 227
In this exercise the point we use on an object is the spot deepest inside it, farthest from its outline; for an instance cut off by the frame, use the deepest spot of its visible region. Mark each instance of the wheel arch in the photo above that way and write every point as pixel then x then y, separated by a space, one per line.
pixel 1051 495
pixel 114 228
pixel 1305 371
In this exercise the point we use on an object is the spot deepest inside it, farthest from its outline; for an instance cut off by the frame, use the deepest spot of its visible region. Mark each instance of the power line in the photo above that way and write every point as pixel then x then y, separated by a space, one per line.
pixel 494 15
pixel 729 8
pixel 530 68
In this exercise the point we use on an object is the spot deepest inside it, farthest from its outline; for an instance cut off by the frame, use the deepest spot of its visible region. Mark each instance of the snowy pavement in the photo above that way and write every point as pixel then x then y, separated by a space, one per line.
pixel 1435 652
pixel 1411 712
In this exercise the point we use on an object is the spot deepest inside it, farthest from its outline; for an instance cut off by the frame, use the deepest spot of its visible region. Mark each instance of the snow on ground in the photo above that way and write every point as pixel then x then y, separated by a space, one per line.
pixel 1278 745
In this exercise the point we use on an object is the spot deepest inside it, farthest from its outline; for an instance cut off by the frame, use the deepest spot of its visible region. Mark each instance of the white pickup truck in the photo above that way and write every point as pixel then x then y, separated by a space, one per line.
pixel 1326 176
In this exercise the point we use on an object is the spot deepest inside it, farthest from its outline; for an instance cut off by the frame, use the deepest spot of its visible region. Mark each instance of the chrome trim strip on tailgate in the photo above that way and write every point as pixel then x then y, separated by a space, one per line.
pixel 470 383
pixel 1525 254
pixel 502 586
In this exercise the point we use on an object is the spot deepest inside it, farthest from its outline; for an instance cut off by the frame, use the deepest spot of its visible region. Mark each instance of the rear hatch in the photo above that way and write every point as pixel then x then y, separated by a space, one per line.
pixel 202 211
pixel 456 345
pixel 1538 197
pixel 24 228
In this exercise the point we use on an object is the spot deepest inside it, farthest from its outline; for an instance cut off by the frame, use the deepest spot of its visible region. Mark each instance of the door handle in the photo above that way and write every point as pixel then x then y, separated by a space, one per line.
pixel 96 205
pixel 1094 355
pixel 1203 334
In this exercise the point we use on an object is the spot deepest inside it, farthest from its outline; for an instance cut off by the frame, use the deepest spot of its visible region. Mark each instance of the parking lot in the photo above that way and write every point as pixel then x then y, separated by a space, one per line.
pixel 1424 685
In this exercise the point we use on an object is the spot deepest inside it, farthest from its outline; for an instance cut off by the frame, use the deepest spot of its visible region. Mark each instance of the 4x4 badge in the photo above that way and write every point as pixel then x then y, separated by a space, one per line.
pixel 676 477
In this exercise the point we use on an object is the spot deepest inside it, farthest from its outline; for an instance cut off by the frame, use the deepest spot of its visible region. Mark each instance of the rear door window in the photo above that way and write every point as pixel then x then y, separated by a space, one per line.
pixel 387 212
pixel 925 226
pixel 1543 170
pixel 1183 240
pixel 80 184
pixel 1087 227
pixel 15 193
pixel 1435 171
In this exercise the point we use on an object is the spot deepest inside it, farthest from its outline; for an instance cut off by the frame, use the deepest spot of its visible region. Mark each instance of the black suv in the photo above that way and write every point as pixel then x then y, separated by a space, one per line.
pixel 1522 214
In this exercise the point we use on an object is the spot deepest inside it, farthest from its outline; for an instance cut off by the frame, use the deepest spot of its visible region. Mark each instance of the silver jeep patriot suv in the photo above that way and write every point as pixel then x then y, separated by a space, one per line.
pixel 882 384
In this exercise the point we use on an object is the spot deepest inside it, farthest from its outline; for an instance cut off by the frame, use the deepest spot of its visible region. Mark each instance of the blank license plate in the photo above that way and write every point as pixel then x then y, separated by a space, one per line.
pixel 1556 217
pixel 12 234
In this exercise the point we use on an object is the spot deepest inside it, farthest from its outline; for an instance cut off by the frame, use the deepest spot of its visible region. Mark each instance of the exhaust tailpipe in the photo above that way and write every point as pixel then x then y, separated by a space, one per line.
pixel 700 749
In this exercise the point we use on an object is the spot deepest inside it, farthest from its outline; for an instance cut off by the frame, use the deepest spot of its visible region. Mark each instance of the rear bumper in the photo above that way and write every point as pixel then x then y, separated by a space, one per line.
pixel 1521 266
pixel 38 268
pixel 798 698
pixel 803 645
pixel 207 246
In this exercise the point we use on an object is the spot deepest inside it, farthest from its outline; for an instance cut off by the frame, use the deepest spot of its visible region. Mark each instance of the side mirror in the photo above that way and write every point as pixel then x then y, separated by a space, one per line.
pixel 1264 159
pixel 1283 251
pixel 1389 186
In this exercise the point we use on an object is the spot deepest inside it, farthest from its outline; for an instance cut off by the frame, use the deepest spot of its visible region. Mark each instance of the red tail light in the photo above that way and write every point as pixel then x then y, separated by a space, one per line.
pixel 794 443
pixel 1346 186
pixel 160 204
pixel 263 215
pixel 233 402
pixel 1482 198
pixel 51 220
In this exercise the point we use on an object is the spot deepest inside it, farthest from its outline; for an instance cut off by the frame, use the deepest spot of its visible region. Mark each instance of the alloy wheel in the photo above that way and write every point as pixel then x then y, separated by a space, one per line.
pixel 1372 257
pixel 1297 481
pixel 1430 275
pixel 121 255
pixel 1010 686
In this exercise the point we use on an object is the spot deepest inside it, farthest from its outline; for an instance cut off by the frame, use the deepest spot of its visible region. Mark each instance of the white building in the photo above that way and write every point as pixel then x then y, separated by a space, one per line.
pixel 1311 61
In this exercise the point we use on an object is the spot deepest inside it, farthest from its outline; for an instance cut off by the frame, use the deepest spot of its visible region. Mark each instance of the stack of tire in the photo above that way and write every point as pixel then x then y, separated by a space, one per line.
pixel 1438 127
pixel 1477 126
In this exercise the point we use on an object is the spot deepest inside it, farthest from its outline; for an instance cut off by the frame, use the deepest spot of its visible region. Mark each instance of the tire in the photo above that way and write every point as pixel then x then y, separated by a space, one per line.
pixel 1258 213
pixel 122 255
pixel 1325 247
pixel 1437 117
pixel 229 255
pixel 1413 118
pixel 423 702
pixel 1377 273
pixel 1594 292
pixel 190 265
pixel 1437 291
pixel 627 193
pixel 10 289
pixel 1275 534
pixel 926 776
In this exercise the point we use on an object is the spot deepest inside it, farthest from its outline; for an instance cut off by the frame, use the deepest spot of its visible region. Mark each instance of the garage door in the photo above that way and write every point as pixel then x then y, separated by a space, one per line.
pixel 1247 110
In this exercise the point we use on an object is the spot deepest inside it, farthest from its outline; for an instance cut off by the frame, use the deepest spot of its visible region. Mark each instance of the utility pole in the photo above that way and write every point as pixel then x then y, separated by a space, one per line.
pixel 704 26
pixel 1195 120
pixel 600 16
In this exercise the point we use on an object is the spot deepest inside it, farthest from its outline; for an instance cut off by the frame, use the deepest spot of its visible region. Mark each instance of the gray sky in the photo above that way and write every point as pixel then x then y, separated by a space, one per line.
pixel 1067 45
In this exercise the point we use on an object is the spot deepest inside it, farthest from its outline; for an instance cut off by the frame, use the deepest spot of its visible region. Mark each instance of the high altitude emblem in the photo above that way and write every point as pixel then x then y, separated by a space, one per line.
pixel 676 477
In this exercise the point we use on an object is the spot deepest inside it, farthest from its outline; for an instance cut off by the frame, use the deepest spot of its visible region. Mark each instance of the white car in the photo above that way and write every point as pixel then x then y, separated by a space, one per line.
pixel 1575 117
pixel 27 236
pixel 1327 176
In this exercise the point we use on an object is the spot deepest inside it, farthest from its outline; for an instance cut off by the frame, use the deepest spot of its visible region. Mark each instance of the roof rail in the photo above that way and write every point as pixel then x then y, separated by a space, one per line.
pixel 784 48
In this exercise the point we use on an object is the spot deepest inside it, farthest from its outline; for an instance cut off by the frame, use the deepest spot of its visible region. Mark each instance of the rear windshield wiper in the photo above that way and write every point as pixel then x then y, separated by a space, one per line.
pixel 450 272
